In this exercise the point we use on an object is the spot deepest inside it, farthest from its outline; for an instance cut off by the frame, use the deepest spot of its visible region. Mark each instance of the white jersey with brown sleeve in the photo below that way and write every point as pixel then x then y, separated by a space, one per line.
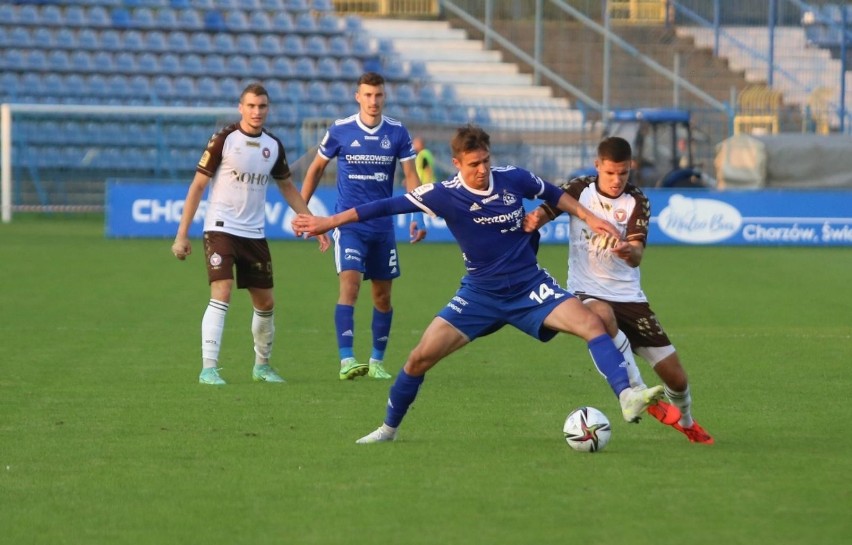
pixel 241 167
pixel 592 268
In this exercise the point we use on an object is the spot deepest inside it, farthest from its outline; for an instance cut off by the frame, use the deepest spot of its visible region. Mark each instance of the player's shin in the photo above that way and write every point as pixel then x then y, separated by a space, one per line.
pixel 609 362
pixel 263 331
pixel 402 395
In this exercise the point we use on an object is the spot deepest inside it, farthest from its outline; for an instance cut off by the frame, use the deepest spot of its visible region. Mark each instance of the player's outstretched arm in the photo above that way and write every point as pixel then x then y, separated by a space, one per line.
pixel 416 232
pixel 535 219
pixel 305 224
pixel 569 204
pixel 298 204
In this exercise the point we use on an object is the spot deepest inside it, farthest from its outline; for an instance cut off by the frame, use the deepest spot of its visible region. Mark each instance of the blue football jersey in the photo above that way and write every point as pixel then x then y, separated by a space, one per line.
pixel 366 163
pixel 488 224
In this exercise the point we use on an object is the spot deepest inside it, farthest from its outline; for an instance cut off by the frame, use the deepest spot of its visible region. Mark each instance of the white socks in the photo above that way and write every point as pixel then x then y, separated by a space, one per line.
pixel 212 325
pixel 623 346
pixel 263 330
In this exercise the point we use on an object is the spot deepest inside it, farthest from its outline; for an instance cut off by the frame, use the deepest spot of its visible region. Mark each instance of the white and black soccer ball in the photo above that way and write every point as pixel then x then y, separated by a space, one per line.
pixel 587 430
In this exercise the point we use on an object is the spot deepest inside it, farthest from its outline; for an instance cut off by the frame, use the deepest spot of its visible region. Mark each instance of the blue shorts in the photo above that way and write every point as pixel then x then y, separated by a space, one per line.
pixel 372 254
pixel 477 312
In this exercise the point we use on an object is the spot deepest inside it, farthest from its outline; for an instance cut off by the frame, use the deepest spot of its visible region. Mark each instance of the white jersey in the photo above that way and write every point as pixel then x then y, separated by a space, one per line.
pixel 592 268
pixel 241 167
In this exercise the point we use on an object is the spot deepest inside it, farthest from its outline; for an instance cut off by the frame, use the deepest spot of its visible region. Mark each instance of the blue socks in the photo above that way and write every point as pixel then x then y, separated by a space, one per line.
pixel 344 324
pixel 381 332
pixel 401 396
pixel 610 362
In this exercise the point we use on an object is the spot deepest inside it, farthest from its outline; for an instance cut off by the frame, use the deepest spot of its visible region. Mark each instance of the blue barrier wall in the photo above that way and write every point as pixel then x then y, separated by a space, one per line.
pixel 695 217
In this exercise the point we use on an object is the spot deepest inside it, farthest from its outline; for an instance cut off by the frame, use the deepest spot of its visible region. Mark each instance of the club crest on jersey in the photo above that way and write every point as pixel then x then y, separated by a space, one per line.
pixel 509 199
pixel 385 143
pixel 266 153
pixel 620 215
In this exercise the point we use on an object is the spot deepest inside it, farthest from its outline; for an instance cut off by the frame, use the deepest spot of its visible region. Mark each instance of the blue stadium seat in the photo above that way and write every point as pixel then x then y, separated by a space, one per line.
pixel 58 60
pixel 296 92
pixel 237 65
pixel 259 67
pixel 246 44
pixel 28 15
pixel 103 61
pixel 340 93
pixel 306 68
pixel 259 21
pixel 118 86
pixel 351 68
pixel 143 18
pixel 214 64
pixel 125 62
pixel 224 43
pixel 148 63
pixel 363 46
pixel 323 6
pixel 297 6
pixel 180 4
pixel 189 19
pixel 156 41
pixel 8 14
pixel 207 86
pixel 140 86
pixel 41 36
pixel 178 42
pixel 162 87
pixel 248 5
pixel 88 39
pixel 282 22
pixel 339 47
pixel 203 4
pixel 75 85
pixel 214 22
pixel 428 95
pixel 170 64
pixel 293 46
pixel 315 46
pixel 98 17
pixel 121 18
pixel 330 24
pixel 276 90
pixel 305 23
pixel 20 37
pixel 96 85
pixel 269 44
pixel 353 24
pixel 36 60
pixel 111 41
pixel 184 86
pixel 81 61
pixel 65 38
pixel 193 64
pixel 51 15
pixel 14 59
pixel 272 5
pixel 200 42
pixel 229 89
pixel 236 21
pixel 404 94
pixel 317 93
pixel 53 84
pixel 282 67
pixel 166 19
pixel 133 41
pixel 328 69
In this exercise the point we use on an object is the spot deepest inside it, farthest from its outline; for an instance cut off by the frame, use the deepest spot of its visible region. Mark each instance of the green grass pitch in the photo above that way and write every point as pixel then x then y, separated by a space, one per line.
pixel 106 437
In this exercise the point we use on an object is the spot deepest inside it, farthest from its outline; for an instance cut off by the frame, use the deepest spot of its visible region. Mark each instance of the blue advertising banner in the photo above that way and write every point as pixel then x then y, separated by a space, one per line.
pixel 695 217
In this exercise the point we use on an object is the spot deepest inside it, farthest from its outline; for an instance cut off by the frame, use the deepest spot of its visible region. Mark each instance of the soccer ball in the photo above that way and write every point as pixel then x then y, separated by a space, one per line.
pixel 587 430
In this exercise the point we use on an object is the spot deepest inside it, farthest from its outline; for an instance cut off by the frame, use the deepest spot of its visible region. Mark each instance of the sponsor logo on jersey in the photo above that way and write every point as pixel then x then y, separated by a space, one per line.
pixel 250 178
pixel 474 207
pixel 487 200
pixel 252 144
pixel 370 137
pixel 369 159
pixel 512 217
pixel 355 144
